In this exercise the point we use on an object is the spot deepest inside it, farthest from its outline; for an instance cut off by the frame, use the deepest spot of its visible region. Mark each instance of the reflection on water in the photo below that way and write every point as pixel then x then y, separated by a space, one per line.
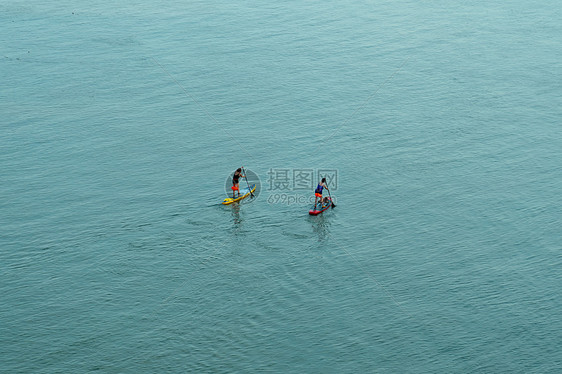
pixel 236 215
pixel 320 226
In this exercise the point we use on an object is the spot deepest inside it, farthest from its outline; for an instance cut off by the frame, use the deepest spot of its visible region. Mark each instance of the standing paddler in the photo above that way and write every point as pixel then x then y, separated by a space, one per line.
pixel 318 192
pixel 235 180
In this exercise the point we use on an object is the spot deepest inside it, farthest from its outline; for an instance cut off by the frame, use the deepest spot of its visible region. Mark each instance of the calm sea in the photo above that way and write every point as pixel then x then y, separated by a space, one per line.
pixel 438 123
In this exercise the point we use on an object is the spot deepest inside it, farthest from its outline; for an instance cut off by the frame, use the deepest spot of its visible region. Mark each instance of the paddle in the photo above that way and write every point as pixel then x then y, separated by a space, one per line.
pixel 249 189
pixel 333 205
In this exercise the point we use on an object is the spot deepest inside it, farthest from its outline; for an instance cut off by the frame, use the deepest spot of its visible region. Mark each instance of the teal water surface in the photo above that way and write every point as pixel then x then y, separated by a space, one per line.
pixel 122 122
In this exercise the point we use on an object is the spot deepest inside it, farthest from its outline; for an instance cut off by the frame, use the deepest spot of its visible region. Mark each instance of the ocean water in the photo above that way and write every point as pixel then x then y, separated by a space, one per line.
pixel 121 123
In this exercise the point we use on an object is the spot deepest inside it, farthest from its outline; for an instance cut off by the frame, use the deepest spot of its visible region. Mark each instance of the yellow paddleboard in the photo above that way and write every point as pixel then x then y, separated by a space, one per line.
pixel 244 193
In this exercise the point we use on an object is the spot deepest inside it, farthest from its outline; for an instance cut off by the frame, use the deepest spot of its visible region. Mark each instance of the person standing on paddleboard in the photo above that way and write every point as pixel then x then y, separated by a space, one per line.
pixel 318 192
pixel 235 179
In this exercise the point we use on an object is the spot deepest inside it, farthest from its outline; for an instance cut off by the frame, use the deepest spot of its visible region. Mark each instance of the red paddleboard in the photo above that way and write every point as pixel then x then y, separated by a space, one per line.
pixel 315 211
